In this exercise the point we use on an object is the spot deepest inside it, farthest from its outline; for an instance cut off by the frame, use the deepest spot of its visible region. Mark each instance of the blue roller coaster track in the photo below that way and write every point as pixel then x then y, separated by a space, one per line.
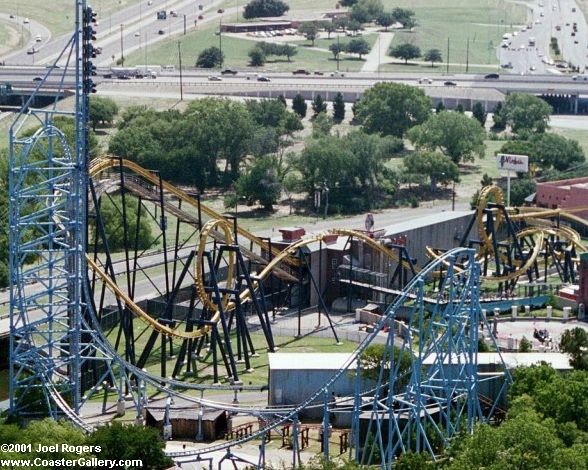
pixel 427 389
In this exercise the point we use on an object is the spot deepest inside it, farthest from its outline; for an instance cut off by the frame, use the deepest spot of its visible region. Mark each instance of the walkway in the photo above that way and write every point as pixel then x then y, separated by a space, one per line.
pixel 378 54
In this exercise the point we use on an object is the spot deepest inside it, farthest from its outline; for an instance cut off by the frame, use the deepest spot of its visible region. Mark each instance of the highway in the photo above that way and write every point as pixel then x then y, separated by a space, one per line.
pixel 140 28
pixel 197 81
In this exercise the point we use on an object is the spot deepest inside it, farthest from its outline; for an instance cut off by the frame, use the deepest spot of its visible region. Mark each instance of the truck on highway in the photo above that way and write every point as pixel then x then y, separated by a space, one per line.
pixel 149 70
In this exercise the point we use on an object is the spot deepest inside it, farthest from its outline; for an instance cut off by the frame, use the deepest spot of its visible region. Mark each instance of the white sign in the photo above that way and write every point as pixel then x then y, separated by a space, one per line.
pixel 518 163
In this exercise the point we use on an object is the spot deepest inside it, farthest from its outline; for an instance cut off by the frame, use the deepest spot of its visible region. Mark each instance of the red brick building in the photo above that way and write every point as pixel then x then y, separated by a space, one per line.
pixel 564 194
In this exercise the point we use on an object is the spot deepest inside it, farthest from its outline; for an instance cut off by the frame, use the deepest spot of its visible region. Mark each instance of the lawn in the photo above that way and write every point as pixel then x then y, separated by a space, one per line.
pixel 58 15
pixel 235 51
pixel 482 21
pixel 260 364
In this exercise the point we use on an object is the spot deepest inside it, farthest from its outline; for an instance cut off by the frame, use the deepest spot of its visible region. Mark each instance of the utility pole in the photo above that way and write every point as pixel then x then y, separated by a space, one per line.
pixel 468 55
pixel 220 39
pixel 338 50
pixel 180 60
pixel 122 55
pixel 453 198
pixel 447 68
pixel 184 25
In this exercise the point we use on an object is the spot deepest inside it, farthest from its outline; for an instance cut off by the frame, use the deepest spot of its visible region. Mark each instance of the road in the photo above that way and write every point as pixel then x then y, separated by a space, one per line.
pixel 138 18
pixel 547 18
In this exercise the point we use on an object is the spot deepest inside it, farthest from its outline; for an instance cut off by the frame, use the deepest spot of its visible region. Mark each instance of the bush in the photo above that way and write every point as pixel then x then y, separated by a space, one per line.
pixel 210 58
pixel 525 345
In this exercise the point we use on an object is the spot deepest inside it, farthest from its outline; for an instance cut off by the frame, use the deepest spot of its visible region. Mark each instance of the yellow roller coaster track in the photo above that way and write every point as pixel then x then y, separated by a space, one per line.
pixel 245 295
pixel 107 162
pixel 541 226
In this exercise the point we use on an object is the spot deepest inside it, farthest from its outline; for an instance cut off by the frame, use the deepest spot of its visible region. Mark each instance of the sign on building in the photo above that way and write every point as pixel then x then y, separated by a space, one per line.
pixel 517 163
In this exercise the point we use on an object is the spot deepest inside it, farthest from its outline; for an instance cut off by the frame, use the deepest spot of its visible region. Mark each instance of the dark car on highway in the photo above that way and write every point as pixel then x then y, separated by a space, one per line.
pixel 450 83
pixel 492 76
pixel 301 72
pixel 229 72
pixel 261 78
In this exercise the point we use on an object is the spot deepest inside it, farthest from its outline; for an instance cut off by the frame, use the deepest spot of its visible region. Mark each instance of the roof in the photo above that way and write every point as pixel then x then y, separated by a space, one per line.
pixel 184 413
pixel 426 221
pixel 309 361
pixel 512 360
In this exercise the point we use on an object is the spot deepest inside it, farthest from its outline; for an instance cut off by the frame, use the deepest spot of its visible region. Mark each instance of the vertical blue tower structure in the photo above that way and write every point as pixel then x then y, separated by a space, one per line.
pixel 51 345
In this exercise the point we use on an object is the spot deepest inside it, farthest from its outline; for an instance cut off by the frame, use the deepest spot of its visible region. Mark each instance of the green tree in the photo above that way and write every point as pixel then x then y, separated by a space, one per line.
pixel 437 167
pixel 319 105
pixel 256 57
pixel 454 134
pixel 414 461
pixel 336 49
pixel 392 108
pixel 114 226
pixel 575 343
pixel 309 30
pixel 440 107
pixel 265 8
pixel 553 150
pixel 405 51
pixel 102 110
pixel 321 125
pixel 353 167
pixel 520 189
pixel 526 113
pixel 210 58
pixel 404 17
pixel 288 50
pixel 130 442
pixel 260 183
pixel 338 108
pixel 499 118
pixel 433 55
pixel 282 100
pixel 299 105
pixel 378 358
pixel 329 27
pixel 358 46
pixel 365 11
pixel 479 113
pixel 386 20
pixel 521 442
pixel 348 3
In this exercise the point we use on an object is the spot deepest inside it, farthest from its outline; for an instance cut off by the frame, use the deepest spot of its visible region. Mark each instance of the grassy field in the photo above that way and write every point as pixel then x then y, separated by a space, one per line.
pixel 482 21
pixel 260 364
pixel 58 15
pixel 235 51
